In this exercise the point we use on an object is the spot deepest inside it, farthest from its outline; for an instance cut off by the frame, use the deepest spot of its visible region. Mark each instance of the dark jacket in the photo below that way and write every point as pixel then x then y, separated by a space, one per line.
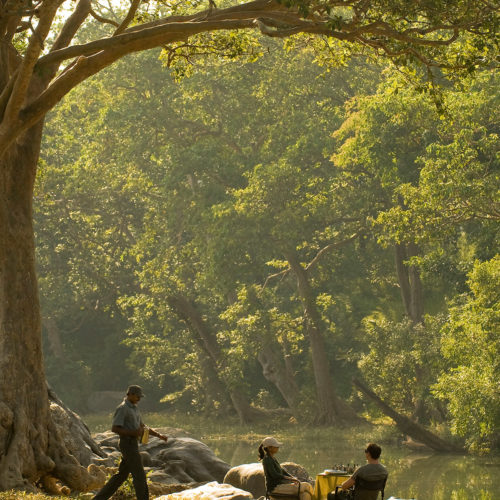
pixel 275 474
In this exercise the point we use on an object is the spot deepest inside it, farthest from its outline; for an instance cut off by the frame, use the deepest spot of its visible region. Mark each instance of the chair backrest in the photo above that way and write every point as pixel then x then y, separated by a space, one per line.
pixel 368 490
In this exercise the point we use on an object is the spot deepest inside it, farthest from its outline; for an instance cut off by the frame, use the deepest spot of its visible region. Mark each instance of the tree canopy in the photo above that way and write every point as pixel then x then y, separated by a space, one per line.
pixel 459 35
pixel 49 47
pixel 216 225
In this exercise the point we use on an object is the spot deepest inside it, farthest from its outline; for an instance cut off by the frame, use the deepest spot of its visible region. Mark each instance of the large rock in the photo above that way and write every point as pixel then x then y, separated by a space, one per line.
pixel 74 432
pixel 179 460
pixel 250 477
pixel 209 491
pixel 194 458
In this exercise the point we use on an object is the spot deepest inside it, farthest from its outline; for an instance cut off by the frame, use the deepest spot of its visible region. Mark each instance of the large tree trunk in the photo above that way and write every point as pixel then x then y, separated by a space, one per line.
pixel 275 370
pixel 30 444
pixel 330 407
pixel 188 312
pixel 409 282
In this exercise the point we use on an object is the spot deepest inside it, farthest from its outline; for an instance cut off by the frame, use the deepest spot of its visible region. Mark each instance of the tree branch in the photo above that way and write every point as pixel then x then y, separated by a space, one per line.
pixel 128 18
pixel 272 18
pixel 102 19
pixel 6 22
pixel 69 30
pixel 331 246
pixel 276 275
pixel 105 52
pixel 25 71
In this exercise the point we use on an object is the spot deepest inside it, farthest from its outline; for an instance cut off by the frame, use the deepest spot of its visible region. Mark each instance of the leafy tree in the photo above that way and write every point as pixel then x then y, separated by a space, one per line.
pixel 37 41
pixel 458 180
pixel 471 345
pixel 426 181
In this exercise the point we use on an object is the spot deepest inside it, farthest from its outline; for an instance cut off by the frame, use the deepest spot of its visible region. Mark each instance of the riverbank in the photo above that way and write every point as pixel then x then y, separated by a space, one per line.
pixel 413 473
pixel 288 429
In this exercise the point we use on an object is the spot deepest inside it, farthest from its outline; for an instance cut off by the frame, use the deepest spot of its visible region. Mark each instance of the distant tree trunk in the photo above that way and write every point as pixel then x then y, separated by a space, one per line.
pixel 412 295
pixel 413 429
pixel 409 282
pixel 30 444
pixel 188 312
pixel 54 338
pixel 288 358
pixel 216 391
pixel 275 370
pixel 330 407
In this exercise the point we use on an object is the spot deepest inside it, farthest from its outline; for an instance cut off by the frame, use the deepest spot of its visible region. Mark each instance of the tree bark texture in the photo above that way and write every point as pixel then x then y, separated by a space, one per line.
pixel 30 444
pixel 409 282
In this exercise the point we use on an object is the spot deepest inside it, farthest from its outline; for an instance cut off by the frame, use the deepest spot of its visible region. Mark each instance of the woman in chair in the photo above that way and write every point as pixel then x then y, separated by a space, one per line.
pixel 278 480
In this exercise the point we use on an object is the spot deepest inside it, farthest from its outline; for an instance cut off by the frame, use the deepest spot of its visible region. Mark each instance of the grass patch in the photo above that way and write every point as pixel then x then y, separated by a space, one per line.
pixel 213 429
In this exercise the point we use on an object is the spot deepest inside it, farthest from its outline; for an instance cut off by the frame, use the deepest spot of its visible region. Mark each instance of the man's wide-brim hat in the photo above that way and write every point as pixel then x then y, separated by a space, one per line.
pixel 135 389
pixel 270 441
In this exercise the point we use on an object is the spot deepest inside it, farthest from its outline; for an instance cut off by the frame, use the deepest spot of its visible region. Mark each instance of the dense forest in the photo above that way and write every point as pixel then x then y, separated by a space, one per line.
pixel 251 234
pixel 286 207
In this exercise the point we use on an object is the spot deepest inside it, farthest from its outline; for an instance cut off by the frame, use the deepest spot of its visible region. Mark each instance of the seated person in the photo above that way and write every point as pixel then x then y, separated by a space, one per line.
pixel 372 471
pixel 278 480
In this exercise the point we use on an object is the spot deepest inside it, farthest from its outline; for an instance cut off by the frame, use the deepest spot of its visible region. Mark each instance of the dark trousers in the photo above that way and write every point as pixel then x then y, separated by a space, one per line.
pixel 131 464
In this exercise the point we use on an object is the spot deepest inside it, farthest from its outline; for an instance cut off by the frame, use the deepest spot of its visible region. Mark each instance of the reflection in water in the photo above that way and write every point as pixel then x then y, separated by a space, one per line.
pixel 411 475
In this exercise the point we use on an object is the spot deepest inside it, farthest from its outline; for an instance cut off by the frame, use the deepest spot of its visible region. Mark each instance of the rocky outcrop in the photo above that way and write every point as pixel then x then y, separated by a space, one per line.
pixel 181 459
pixel 74 432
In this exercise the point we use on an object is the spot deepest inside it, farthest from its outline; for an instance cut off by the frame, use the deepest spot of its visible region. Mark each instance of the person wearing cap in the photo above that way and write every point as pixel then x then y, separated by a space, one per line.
pixel 127 423
pixel 278 480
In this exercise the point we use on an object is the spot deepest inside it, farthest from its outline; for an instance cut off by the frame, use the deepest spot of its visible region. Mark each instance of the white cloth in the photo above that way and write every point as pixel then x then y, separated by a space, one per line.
pixel 209 491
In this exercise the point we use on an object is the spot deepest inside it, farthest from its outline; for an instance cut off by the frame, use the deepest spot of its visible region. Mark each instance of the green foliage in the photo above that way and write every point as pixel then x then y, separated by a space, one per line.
pixel 471 344
pixel 155 188
pixel 403 361
pixel 459 179
pixel 208 49
pixel 435 22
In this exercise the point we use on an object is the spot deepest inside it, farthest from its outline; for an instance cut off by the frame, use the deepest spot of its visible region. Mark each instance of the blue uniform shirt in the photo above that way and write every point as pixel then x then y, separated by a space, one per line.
pixel 127 416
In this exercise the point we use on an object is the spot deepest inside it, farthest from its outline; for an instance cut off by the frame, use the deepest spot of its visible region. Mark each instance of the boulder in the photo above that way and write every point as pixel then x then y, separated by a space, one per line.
pixel 250 477
pixel 158 476
pixel 179 460
pixel 209 491
pixel 194 458
pixel 74 432
pixel 298 471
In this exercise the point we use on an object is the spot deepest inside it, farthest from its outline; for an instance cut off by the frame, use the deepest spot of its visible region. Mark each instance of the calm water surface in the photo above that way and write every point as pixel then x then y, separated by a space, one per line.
pixel 422 476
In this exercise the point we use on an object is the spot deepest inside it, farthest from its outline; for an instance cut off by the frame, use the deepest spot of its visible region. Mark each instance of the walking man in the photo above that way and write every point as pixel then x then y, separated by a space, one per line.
pixel 127 423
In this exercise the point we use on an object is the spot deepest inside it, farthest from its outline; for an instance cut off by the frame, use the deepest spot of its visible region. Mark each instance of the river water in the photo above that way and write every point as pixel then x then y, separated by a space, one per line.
pixel 412 475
